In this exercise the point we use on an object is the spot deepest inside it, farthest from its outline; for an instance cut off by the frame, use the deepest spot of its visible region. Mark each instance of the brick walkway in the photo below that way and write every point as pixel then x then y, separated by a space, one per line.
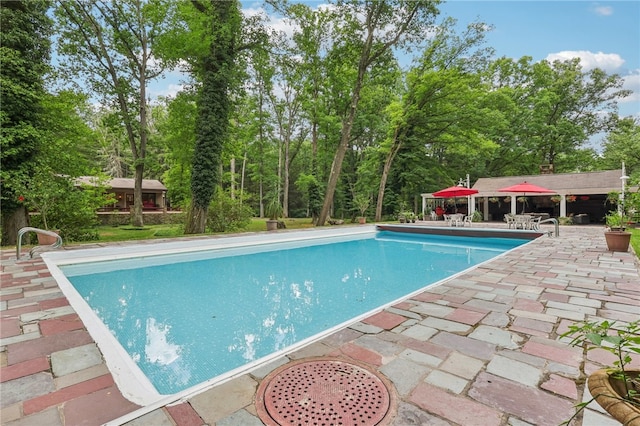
pixel 481 349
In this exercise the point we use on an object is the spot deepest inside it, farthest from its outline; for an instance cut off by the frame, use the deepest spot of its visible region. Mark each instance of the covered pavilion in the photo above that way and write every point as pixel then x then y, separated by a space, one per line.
pixel 583 195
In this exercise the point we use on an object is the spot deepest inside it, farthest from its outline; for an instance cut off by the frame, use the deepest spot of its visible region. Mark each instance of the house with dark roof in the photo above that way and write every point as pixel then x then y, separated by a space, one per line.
pixel 580 195
pixel 153 193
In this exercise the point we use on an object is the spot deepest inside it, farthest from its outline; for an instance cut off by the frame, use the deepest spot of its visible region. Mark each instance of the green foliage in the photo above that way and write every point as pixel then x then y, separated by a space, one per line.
pixel 24 54
pixel 308 185
pixel 219 24
pixel 273 208
pixel 63 207
pixel 564 220
pixel 623 144
pixel 620 341
pixel 178 128
pixel 615 220
pixel 109 46
pixel 43 193
pixel 454 111
pixel 227 215
pixel 361 202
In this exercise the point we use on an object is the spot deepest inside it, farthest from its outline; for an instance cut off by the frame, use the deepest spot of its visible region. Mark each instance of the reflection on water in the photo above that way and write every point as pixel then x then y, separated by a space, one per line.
pixel 187 322
pixel 158 349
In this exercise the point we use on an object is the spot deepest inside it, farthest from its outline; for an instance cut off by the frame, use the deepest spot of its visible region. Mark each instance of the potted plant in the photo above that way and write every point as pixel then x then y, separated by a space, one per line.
pixel 615 388
pixel 411 217
pixel 362 203
pixel 273 211
pixel 616 237
pixel 476 216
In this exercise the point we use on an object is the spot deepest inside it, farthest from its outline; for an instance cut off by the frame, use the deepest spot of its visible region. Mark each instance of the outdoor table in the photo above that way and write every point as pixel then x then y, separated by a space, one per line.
pixel 454 219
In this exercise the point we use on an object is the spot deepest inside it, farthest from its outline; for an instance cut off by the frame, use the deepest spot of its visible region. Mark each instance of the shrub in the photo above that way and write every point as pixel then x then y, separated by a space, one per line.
pixel 61 206
pixel 227 215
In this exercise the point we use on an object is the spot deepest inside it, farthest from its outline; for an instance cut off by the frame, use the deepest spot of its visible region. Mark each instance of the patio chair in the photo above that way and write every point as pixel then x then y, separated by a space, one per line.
pixel 535 223
pixel 522 221
pixel 468 220
pixel 511 220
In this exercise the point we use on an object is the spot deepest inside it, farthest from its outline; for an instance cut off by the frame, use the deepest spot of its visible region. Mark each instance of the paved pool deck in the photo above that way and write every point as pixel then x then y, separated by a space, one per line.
pixel 483 348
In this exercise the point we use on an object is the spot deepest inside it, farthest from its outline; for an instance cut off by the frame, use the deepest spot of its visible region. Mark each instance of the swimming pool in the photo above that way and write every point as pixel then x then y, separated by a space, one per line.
pixel 175 316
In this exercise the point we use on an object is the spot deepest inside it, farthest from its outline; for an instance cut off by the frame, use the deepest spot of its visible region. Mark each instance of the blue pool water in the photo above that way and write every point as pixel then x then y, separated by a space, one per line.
pixel 186 318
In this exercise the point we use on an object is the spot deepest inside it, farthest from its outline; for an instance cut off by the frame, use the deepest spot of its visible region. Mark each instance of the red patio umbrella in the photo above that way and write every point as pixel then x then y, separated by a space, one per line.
pixel 526 187
pixel 453 192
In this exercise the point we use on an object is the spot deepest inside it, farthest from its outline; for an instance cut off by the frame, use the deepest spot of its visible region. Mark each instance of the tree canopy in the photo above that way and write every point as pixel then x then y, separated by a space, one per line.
pixel 313 116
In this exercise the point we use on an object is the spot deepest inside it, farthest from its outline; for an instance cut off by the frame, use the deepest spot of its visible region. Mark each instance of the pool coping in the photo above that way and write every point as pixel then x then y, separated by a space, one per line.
pixel 464 231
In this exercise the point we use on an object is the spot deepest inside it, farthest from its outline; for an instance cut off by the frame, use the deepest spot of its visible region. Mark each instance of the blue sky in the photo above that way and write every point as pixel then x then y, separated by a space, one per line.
pixel 604 34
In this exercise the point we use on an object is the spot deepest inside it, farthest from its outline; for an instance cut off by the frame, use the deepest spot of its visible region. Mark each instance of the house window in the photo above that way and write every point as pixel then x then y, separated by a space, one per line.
pixel 148 200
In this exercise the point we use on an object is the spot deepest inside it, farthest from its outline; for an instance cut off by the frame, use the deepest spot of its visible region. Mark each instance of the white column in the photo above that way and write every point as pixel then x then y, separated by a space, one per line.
pixel 563 206
pixel 514 205
pixel 485 209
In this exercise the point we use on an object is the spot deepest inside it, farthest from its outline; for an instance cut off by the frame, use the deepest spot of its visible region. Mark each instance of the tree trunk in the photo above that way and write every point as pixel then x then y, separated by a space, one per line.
pixel 196 220
pixel 232 183
pixel 336 165
pixel 285 183
pixel 243 172
pixel 12 223
pixel 385 173
pixel 136 214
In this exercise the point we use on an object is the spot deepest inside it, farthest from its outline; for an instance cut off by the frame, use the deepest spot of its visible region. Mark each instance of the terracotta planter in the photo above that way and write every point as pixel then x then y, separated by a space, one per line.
pixel 47 240
pixel 362 220
pixel 272 225
pixel 606 391
pixel 617 240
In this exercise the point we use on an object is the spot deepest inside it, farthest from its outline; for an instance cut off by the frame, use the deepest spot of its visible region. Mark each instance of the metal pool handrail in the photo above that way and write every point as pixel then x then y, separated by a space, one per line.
pixel 554 221
pixel 35 249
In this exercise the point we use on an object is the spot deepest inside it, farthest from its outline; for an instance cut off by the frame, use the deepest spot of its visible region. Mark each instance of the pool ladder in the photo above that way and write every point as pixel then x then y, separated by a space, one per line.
pixel 37 249
pixel 555 222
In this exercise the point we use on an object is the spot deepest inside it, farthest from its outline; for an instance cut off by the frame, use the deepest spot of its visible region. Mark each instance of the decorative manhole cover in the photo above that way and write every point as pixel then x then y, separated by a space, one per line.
pixel 324 391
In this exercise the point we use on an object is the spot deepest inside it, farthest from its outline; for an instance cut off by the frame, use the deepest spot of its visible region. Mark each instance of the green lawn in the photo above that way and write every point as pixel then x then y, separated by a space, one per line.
pixel 125 233
pixel 635 240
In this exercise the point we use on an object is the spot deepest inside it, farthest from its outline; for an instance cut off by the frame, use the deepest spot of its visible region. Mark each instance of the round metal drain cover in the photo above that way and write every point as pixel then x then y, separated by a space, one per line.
pixel 324 391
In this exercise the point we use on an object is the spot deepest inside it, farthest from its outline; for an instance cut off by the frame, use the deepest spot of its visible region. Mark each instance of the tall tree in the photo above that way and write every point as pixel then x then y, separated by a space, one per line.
pixel 570 105
pixel 24 60
pixel 372 29
pixel 623 144
pixel 552 110
pixel 110 45
pixel 435 111
pixel 215 69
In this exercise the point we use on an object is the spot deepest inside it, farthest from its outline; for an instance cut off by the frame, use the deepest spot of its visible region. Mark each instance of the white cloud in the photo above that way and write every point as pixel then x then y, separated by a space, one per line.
pixel 603 10
pixel 169 90
pixel 609 62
